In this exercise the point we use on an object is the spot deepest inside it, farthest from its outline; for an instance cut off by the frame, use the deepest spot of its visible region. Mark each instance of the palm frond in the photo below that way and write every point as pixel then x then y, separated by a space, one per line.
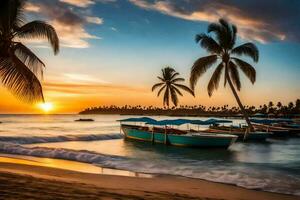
pixel 177 90
pixel 29 59
pixel 162 79
pixel 39 29
pixel 166 96
pixel 227 33
pixel 156 86
pixel 215 79
pixel 219 32
pixel 185 88
pixel 17 13
pixel 234 75
pixel 208 43
pixel 174 97
pixel 247 49
pixel 177 80
pixel 233 38
pixel 11 15
pixel 17 78
pixel 161 89
pixel 174 75
pixel 200 67
pixel 248 69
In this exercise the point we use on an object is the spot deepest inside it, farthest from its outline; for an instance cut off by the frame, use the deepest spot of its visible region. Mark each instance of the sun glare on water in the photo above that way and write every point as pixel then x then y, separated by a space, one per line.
pixel 46 107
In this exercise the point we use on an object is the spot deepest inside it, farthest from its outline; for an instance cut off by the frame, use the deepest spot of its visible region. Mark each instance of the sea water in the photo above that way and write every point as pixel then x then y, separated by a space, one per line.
pixel 270 166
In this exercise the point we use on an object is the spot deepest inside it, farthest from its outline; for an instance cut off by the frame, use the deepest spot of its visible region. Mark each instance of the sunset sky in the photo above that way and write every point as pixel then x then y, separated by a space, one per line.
pixel 112 50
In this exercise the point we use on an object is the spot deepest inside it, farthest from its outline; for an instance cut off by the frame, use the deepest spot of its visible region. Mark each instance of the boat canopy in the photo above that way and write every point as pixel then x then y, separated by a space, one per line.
pixel 217 121
pixel 259 115
pixel 270 121
pixel 210 121
pixel 138 119
pixel 165 122
pixel 179 122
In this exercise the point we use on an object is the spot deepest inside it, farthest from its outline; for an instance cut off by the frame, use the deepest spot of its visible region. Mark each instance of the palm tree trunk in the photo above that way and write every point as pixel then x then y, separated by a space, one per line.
pixel 238 101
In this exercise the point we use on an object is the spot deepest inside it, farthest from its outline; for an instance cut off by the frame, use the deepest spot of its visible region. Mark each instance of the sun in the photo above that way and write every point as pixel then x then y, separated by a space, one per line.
pixel 46 107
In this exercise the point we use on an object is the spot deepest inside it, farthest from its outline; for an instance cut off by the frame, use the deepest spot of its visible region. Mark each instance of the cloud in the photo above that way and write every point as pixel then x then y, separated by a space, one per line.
pixel 262 21
pixel 81 78
pixel 30 7
pixel 72 84
pixel 94 20
pixel 69 23
pixel 114 29
pixel 63 88
pixel 79 3
pixel 85 3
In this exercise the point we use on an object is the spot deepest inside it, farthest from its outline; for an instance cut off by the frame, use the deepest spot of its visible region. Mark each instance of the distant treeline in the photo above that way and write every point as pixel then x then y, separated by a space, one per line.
pixel 292 109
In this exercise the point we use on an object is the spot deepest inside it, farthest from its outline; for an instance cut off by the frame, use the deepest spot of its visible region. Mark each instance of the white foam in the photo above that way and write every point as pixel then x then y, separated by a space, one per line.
pixel 66 154
pixel 60 138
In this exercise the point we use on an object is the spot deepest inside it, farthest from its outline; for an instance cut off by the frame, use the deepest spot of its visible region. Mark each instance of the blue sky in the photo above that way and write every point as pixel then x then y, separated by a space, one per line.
pixel 125 43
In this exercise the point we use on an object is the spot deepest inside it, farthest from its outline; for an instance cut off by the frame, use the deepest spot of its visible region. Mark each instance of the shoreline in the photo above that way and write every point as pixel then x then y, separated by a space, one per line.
pixel 112 186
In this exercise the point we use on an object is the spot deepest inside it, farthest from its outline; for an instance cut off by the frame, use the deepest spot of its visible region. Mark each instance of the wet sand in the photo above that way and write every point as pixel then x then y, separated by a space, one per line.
pixel 26 181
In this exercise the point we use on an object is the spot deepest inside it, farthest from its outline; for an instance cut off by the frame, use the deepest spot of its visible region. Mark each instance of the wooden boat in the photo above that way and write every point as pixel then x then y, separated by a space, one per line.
pixel 293 129
pixel 277 131
pixel 84 120
pixel 280 125
pixel 240 132
pixel 177 137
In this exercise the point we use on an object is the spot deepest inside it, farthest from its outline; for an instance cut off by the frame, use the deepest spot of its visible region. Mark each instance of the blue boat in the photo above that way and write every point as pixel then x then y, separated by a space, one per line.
pixel 176 137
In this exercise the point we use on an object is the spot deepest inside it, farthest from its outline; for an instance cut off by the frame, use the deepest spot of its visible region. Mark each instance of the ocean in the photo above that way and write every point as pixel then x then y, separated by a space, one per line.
pixel 271 166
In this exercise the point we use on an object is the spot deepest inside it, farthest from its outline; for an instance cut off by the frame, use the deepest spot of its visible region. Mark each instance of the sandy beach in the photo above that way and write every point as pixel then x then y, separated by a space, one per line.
pixel 28 181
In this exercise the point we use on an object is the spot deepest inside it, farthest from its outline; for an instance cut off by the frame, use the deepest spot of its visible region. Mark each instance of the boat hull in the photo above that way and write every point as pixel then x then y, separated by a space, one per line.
pixel 252 136
pixel 277 132
pixel 179 140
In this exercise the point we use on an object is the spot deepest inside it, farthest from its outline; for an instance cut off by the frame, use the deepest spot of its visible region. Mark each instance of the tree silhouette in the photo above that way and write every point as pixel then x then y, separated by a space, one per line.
pixel 20 69
pixel 169 83
pixel 223 48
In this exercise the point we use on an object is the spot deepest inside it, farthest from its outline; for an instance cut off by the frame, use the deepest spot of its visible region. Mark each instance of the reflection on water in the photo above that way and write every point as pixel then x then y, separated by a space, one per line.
pixel 68 165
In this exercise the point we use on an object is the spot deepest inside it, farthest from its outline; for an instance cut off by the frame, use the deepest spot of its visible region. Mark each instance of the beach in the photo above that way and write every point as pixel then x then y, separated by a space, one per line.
pixel 27 181
pixel 97 147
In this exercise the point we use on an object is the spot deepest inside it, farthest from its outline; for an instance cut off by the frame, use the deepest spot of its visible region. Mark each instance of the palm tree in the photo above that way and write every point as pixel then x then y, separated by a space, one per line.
pixel 223 48
pixel 20 69
pixel 169 84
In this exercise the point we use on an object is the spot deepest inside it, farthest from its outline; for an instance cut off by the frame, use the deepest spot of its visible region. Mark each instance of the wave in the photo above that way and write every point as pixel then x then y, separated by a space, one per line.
pixel 235 176
pixel 60 153
pixel 60 138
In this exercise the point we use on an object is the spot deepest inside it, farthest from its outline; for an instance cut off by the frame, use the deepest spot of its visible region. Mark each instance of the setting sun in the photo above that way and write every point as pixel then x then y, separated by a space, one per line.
pixel 46 107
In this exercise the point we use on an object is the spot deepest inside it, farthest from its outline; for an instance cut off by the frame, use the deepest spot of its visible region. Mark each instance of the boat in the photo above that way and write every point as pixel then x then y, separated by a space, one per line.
pixel 240 132
pixel 258 136
pixel 293 129
pixel 279 125
pixel 84 120
pixel 277 131
pixel 171 136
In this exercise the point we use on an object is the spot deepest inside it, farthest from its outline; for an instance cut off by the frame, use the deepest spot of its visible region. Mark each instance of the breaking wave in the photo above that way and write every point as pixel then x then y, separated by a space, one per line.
pixel 60 153
pixel 60 138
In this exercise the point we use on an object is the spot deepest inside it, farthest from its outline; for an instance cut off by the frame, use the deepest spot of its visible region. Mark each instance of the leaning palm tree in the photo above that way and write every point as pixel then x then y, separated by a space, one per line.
pixel 223 49
pixel 169 83
pixel 20 69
